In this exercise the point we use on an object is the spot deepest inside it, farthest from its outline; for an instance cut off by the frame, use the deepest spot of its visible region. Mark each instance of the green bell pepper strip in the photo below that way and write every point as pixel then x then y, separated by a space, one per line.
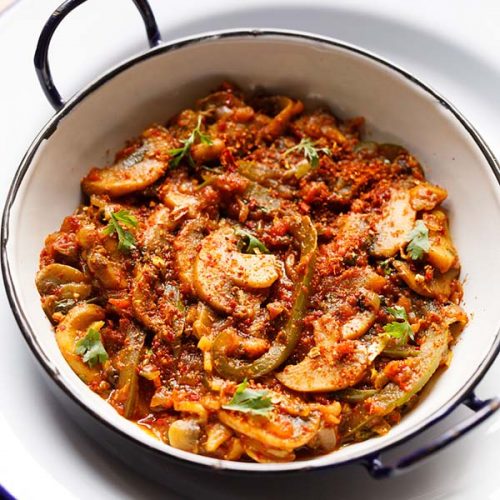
pixel 354 395
pixel 287 338
pixel 431 353
pixel 400 352
pixel 129 360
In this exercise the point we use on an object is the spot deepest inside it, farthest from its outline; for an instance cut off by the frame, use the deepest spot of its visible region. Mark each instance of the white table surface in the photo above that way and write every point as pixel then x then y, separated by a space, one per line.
pixel 452 44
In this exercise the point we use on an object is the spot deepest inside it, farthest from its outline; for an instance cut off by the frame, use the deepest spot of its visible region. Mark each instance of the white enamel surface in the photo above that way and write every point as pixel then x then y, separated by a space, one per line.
pixel 471 352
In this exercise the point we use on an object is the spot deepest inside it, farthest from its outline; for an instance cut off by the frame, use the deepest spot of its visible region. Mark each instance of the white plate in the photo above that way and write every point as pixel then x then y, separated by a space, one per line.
pixel 42 450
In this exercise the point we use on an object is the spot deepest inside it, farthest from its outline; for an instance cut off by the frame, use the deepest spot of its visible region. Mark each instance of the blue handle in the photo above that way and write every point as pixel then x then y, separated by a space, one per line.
pixel 482 411
pixel 41 54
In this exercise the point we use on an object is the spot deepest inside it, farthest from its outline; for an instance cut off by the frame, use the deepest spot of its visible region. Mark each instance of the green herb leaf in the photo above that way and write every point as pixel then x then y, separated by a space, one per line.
pixel 310 152
pixel 386 266
pixel 250 401
pixel 179 153
pixel 126 240
pixel 91 348
pixel 400 329
pixel 249 243
pixel 419 241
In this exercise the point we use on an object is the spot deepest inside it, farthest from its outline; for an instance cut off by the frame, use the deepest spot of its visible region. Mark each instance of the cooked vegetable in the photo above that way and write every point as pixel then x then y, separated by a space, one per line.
pixel 249 243
pixel 143 166
pixel 419 241
pixel 253 281
pixel 308 149
pixel 396 222
pixel 392 396
pixel 178 154
pixel 334 372
pixel 128 379
pixel 249 401
pixel 400 330
pixel 73 339
pixel 126 240
pixel 287 338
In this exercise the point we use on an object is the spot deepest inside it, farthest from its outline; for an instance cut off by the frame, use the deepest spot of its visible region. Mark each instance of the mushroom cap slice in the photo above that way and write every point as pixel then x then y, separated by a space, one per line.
pixel 398 218
pixel 121 179
pixel 73 328
pixel 269 430
pixel 215 284
pixel 157 305
pixel 438 287
pixel 64 281
pixel 325 373
pixel 141 168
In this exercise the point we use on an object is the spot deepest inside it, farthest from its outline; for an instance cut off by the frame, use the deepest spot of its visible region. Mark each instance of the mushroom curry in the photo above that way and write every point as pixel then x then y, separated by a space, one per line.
pixel 252 281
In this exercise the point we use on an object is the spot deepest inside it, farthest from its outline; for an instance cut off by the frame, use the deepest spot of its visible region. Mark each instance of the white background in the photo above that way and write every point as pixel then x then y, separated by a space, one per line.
pixel 454 45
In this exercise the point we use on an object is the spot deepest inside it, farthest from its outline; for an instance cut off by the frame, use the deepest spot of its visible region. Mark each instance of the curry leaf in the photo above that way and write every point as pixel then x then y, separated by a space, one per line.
pixel 250 401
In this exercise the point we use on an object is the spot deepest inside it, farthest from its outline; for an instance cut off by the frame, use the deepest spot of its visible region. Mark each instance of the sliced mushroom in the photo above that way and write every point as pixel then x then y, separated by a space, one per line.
pixel 359 324
pixel 202 153
pixel 186 246
pixel 73 328
pixel 140 169
pixel 155 237
pixel 109 273
pixel 65 282
pixel 397 220
pixel 442 253
pixel 252 271
pixel 283 109
pixel 218 287
pixel 426 196
pixel 279 431
pixel 184 435
pixel 439 287
pixel 263 454
pixel 158 305
pixel 338 368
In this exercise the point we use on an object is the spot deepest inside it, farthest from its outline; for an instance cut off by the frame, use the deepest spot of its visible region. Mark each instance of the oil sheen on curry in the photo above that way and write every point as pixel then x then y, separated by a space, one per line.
pixel 253 281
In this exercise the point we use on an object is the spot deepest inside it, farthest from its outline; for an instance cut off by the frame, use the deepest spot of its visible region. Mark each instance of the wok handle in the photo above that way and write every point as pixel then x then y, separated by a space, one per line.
pixel 482 411
pixel 41 54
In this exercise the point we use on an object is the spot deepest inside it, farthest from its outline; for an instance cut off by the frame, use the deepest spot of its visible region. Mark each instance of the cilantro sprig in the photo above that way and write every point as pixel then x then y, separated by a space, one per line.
pixel 179 153
pixel 401 328
pixel 418 241
pixel 309 150
pixel 249 243
pixel 118 220
pixel 250 401
pixel 91 348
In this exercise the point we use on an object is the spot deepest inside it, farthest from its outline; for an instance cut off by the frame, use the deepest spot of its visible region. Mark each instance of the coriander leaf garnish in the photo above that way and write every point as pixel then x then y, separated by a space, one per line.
pixel 249 243
pixel 90 347
pixel 419 241
pixel 400 329
pixel 179 153
pixel 250 401
pixel 126 240
pixel 309 150
pixel 386 266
